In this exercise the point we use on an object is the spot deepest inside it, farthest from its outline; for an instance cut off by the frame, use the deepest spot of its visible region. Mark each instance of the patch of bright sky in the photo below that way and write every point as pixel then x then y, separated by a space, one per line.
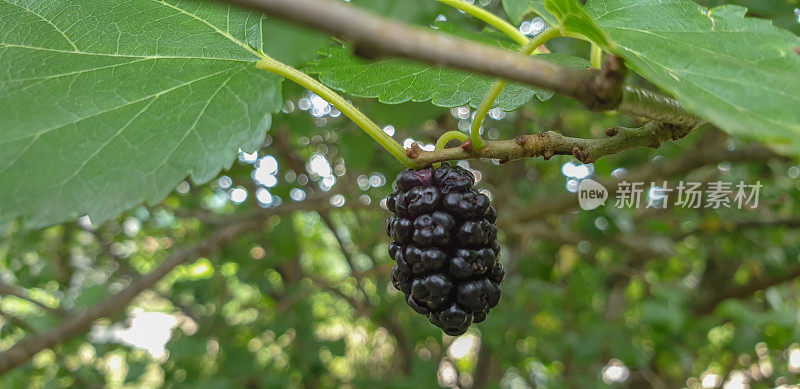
pixel 615 371
pixel 463 346
pixel 149 331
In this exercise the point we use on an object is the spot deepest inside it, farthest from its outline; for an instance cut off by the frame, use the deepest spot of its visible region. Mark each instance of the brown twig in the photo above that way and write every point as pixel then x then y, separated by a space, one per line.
pixel 28 328
pixel 381 37
pixel 550 143
pixel 128 270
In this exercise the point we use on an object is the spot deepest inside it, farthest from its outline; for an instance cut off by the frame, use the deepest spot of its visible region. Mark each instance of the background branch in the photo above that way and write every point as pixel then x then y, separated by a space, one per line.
pixel 27 327
pixel 738 292
pixel 348 257
pixel 10 290
pixel 79 322
pixel 639 246
pixel 741 225
pixel 661 170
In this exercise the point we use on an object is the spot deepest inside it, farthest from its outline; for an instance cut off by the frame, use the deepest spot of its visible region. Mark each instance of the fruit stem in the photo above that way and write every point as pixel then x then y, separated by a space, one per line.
pixel 387 142
pixel 527 49
pixel 447 137
pixel 490 18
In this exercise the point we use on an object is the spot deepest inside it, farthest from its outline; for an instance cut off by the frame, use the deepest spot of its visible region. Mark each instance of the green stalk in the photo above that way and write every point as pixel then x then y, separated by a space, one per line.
pixel 447 137
pixel 308 82
pixel 490 18
pixel 483 109
pixel 596 56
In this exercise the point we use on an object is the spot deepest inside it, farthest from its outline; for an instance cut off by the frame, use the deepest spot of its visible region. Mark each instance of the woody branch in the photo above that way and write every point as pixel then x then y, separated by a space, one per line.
pixel 597 89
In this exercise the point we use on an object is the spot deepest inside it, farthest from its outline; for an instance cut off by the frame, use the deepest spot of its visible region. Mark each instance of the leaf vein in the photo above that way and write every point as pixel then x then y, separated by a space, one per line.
pixel 5 141
pixel 11 45
pixel 71 43
pixel 105 144
pixel 215 28
pixel 193 127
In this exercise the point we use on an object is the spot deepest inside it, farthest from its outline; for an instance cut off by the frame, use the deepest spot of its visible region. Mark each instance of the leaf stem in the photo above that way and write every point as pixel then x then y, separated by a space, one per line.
pixel 483 109
pixel 308 82
pixel 490 18
pixel 528 48
pixel 596 56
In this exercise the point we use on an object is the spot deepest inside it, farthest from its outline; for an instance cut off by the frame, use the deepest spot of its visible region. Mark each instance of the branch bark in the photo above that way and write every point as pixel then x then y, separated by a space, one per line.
pixel 131 272
pixel 597 89
pixel 551 143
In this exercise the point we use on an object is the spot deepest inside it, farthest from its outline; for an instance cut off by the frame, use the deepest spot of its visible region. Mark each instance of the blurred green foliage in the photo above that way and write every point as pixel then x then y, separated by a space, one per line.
pixel 621 297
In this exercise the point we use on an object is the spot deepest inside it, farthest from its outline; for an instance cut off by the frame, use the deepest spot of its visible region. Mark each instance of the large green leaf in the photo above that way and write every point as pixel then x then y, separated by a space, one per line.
pixel 105 104
pixel 408 11
pixel 488 35
pixel 573 19
pixel 518 9
pixel 396 81
pixel 739 72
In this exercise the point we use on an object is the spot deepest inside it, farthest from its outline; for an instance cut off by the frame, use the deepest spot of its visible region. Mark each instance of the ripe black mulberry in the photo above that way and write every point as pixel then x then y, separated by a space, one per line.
pixel 445 246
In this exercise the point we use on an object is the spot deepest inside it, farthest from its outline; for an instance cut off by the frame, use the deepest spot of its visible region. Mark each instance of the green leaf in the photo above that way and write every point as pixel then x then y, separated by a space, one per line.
pixel 291 44
pixel 397 81
pixel 740 73
pixel 92 295
pixel 518 9
pixel 43 323
pixel 573 19
pixel 487 35
pixel 405 116
pixel 284 240
pixel 409 11
pixel 237 361
pixel 135 370
pixel 338 347
pixel 104 104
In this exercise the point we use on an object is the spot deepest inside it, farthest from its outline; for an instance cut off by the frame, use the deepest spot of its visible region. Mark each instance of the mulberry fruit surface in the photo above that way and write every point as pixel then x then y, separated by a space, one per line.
pixel 444 246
